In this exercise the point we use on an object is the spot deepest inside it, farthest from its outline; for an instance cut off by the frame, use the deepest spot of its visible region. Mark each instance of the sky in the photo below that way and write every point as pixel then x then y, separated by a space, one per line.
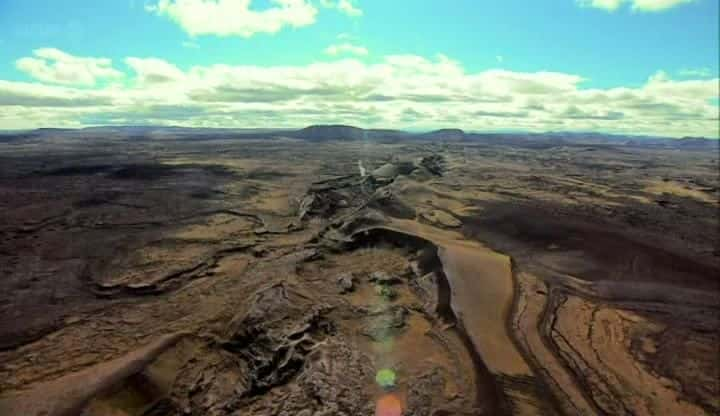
pixel 617 66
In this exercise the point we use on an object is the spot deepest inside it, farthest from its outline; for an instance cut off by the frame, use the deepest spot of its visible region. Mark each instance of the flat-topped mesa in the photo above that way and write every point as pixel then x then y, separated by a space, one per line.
pixel 445 134
pixel 331 132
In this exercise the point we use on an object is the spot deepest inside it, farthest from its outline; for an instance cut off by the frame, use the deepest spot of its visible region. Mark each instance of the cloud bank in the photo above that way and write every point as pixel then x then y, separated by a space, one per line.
pixel 399 91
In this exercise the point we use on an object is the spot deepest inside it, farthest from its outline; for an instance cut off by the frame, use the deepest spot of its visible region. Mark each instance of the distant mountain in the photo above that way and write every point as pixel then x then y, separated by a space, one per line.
pixel 347 133
pixel 696 143
pixel 139 133
pixel 352 133
pixel 445 134
pixel 331 132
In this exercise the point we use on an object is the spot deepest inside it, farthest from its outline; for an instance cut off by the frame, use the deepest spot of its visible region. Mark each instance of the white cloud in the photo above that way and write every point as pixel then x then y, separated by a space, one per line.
pixel 347 7
pixel 346 48
pixel 154 71
pixel 534 83
pixel 57 67
pixel 398 91
pixel 26 94
pixel 640 5
pixel 601 4
pixel 691 90
pixel 696 72
pixel 234 17
pixel 657 5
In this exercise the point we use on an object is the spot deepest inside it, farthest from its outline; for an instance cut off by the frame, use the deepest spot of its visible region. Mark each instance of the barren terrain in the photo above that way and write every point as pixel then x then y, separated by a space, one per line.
pixel 333 271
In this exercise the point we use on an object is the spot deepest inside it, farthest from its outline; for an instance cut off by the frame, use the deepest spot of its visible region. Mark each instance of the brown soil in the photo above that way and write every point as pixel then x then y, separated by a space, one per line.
pixel 229 277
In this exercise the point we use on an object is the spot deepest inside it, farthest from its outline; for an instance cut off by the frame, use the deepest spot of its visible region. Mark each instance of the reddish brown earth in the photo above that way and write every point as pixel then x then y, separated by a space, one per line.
pixel 266 276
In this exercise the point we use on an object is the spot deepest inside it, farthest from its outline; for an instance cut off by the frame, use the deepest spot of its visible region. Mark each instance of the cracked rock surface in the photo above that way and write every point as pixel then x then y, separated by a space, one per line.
pixel 274 277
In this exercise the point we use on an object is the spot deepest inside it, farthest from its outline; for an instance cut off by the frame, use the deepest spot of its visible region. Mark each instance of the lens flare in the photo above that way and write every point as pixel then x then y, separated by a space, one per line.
pixel 388 405
pixel 385 378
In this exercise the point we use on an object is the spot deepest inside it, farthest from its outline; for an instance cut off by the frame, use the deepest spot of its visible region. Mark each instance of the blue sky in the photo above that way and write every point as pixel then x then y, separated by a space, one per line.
pixel 484 65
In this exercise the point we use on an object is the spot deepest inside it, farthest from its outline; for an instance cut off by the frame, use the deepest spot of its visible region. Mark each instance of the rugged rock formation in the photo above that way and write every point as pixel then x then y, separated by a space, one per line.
pixel 283 282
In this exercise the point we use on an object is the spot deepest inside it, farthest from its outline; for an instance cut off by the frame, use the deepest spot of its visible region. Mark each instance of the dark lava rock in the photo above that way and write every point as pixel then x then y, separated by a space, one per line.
pixel 385 323
pixel 384 200
pixel 331 383
pixel 386 171
pixel 435 164
pixel 383 278
pixel 392 170
pixel 428 287
pixel 277 332
pixel 325 199
pixel 323 204
pixel 346 281
pixel 387 292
